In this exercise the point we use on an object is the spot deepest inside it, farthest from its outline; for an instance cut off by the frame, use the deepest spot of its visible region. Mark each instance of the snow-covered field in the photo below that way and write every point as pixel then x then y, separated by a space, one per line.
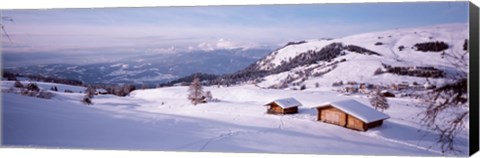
pixel 163 119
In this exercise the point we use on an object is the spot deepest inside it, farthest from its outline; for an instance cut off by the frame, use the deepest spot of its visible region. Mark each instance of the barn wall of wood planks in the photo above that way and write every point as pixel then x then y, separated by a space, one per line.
pixel 276 109
pixel 332 115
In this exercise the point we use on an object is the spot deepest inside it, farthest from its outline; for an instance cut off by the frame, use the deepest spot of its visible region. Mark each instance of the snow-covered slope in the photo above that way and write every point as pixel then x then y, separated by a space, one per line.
pixel 163 119
pixel 292 62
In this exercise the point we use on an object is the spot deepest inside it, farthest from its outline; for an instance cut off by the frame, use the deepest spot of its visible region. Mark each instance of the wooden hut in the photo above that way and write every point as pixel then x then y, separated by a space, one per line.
pixel 350 114
pixel 283 106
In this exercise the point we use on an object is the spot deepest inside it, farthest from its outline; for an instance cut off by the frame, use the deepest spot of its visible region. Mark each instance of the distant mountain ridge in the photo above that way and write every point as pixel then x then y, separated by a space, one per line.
pixel 150 69
pixel 384 57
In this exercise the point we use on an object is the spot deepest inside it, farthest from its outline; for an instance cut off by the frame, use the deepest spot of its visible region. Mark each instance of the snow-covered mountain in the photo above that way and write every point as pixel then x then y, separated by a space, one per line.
pixel 150 69
pixel 236 119
pixel 387 57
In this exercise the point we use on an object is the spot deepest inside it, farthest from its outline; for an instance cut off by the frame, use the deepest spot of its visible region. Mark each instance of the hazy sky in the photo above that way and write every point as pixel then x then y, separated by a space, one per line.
pixel 170 29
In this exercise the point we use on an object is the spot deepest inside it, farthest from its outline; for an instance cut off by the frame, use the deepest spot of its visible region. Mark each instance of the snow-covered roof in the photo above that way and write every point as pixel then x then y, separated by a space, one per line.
pixel 385 91
pixel 358 110
pixel 286 102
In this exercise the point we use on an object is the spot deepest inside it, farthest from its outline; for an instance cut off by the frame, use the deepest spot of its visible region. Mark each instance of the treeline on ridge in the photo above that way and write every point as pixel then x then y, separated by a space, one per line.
pixel 13 77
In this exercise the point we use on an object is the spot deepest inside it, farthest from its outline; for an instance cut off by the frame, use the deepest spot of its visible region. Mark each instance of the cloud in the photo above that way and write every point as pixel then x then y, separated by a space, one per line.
pixel 169 50
pixel 225 44
pixel 69 38
pixel 222 44
pixel 156 30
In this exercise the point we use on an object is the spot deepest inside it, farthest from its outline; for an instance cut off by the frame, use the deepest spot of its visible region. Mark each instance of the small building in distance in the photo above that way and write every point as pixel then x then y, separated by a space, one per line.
pixel 101 91
pixel 387 93
pixel 283 106
pixel 350 114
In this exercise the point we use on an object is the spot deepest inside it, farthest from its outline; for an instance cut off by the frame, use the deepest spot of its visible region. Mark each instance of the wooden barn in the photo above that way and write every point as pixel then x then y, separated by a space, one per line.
pixel 283 106
pixel 350 114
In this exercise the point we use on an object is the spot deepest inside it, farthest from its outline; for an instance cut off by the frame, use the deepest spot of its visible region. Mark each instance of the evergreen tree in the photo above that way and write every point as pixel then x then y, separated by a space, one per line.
pixel 18 84
pixel 32 87
pixel 127 88
pixel 378 71
pixel 144 86
pixel 87 100
pixel 54 88
pixel 303 87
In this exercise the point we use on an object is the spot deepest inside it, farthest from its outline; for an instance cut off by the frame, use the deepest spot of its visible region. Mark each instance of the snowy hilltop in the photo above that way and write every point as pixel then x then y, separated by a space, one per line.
pixel 386 57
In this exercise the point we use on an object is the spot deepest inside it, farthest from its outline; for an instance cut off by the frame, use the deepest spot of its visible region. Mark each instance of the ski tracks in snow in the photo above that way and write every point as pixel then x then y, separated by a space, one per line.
pixel 377 136
pixel 231 133
pixel 280 126
pixel 219 137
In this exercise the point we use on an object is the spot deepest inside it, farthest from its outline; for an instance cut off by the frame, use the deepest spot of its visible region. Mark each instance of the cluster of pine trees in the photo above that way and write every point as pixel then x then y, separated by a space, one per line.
pixel 13 76
pixel 208 78
pixel 436 46
pixel 9 75
pixel 361 50
pixel 429 72
pixel 118 90
pixel 31 89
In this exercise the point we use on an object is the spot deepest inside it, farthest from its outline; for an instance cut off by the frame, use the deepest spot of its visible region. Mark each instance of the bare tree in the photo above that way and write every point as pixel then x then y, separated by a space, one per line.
pixel 196 91
pixel 446 112
pixel 4 18
pixel 89 93
pixel 446 107
pixel 378 101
